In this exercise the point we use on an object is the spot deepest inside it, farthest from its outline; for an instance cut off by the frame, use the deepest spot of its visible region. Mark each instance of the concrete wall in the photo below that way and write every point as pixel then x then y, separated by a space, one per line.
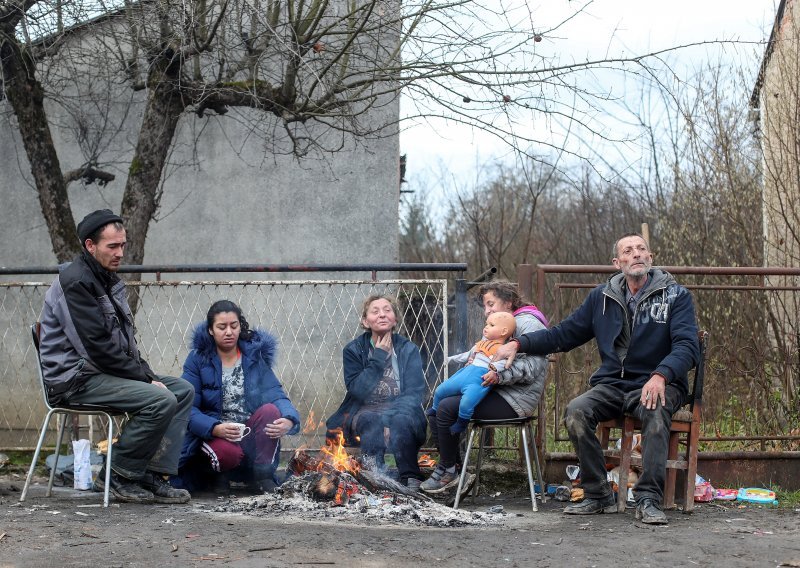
pixel 780 132
pixel 228 197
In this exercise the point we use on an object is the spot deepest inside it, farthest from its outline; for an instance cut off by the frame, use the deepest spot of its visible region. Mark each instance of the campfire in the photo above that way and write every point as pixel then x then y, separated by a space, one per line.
pixel 334 475
pixel 332 483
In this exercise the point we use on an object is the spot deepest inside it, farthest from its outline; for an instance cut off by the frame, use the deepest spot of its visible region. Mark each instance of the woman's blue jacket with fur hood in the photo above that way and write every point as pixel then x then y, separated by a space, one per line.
pixel 203 369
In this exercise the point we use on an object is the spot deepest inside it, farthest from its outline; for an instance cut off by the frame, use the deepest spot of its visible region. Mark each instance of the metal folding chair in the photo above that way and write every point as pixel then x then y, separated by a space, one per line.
pixel 526 429
pixel 64 411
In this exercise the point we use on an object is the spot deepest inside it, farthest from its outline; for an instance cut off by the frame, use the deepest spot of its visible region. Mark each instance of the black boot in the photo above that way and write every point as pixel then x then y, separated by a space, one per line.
pixel 122 488
pixel 264 478
pixel 221 485
pixel 162 491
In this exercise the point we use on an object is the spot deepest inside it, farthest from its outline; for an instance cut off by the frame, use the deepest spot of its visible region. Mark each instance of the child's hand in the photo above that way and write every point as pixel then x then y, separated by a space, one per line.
pixel 490 379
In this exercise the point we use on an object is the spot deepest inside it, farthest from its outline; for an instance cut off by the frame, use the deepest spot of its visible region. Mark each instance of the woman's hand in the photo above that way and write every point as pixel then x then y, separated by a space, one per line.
pixel 279 428
pixel 226 431
pixel 384 342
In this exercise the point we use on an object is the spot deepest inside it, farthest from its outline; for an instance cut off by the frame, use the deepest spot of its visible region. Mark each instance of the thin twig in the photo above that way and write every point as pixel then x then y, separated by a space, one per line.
pixel 261 548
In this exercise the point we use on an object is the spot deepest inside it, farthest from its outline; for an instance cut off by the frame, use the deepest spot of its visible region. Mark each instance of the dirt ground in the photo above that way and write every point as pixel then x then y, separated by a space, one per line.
pixel 70 529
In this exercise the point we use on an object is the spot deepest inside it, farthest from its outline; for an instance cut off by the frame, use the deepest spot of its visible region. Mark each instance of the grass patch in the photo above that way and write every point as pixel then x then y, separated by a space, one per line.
pixel 20 461
pixel 787 499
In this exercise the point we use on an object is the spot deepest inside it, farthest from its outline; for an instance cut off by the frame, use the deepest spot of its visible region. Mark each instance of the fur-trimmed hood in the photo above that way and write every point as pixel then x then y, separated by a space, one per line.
pixel 262 343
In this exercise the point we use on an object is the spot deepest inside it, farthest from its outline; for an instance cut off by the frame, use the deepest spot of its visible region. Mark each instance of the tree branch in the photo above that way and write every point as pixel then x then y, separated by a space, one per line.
pixel 90 175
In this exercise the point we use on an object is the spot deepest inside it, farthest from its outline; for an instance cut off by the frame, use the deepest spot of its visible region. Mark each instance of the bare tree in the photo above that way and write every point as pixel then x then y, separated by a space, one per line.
pixel 305 76
pixel 699 189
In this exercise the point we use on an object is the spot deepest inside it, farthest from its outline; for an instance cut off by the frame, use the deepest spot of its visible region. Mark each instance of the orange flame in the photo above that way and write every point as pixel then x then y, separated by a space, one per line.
pixel 311 425
pixel 335 454
pixel 425 460
pixel 344 491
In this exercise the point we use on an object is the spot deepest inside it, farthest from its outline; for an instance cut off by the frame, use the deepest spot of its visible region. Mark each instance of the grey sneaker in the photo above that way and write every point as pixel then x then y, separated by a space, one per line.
pixel 122 488
pixel 413 483
pixel 440 480
pixel 649 512
pixel 591 506
pixel 162 491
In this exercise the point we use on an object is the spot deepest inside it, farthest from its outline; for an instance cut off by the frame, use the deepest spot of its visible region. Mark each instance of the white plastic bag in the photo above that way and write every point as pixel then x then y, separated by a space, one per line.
pixel 82 466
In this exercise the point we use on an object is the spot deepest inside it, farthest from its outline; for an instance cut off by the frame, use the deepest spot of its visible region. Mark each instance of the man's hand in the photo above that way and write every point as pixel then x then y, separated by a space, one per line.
pixel 653 392
pixel 279 428
pixel 385 342
pixel 506 351
pixel 490 379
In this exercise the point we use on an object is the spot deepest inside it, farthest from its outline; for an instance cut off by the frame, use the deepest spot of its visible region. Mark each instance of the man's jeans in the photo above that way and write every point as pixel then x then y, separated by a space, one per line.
pixel 157 420
pixel 604 402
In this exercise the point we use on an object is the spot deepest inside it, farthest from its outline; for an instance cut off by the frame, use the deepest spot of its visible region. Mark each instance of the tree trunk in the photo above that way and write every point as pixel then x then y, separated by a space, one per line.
pixel 142 192
pixel 26 96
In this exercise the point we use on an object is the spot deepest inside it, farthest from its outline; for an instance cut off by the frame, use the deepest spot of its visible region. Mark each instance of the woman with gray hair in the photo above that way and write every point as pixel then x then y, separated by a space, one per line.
pixel 382 409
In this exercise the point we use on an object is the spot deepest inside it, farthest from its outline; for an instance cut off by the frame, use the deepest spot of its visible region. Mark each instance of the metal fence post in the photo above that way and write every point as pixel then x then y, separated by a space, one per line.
pixel 525 281
pixel 462 322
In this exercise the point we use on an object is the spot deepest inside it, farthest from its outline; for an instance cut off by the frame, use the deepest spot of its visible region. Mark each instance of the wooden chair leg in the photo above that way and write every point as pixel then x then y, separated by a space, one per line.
pixel 605 436
pixel 626 447
pixel 669 484
pixel 691 471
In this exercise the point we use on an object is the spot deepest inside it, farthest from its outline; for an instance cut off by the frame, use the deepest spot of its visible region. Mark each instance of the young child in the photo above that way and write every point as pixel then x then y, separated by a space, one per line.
pixel 468 381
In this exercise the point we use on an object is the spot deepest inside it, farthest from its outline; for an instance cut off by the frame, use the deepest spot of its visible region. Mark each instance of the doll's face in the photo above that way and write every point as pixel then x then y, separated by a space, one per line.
pixel 225 330
pixel 380 317
pixel 497 326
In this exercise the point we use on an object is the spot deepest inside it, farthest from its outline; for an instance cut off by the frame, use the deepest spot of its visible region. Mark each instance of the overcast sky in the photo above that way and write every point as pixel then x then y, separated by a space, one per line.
pixel 608 28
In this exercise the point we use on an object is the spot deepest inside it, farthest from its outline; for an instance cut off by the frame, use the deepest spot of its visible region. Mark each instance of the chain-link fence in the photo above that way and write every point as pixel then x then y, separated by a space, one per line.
pixel 312 319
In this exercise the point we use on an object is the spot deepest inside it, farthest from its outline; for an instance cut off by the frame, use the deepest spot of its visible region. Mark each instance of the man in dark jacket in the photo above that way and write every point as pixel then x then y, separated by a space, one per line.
pixel 646 333
pixel 89 356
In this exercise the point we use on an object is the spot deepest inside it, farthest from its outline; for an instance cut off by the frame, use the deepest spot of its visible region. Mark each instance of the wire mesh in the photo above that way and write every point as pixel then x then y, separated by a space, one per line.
pixel 312 321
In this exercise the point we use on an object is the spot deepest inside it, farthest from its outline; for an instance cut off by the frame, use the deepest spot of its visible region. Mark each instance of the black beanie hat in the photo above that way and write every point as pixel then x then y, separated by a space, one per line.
pixel 94 221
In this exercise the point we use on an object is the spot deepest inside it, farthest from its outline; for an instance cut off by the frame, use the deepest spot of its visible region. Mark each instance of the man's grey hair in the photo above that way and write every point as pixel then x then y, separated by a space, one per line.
pixel 615 250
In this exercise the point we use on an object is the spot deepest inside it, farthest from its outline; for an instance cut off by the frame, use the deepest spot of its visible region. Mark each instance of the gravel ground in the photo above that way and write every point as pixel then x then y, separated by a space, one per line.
pixel 70 529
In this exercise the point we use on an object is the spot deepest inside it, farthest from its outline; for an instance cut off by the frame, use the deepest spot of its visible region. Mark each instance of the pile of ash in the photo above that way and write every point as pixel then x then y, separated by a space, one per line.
pixel 300 496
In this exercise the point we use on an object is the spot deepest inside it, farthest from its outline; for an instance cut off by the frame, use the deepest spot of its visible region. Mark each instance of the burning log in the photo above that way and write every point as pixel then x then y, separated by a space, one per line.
pixel 335 488
pixel 336 475
pixel 328 483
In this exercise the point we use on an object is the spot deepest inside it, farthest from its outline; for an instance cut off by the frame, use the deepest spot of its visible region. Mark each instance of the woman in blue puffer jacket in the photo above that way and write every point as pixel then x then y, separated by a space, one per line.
pixel 230 368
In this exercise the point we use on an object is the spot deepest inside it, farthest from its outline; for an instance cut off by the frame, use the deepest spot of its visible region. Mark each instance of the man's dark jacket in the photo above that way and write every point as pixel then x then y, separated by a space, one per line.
pixel 661 337
pixel 87 329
